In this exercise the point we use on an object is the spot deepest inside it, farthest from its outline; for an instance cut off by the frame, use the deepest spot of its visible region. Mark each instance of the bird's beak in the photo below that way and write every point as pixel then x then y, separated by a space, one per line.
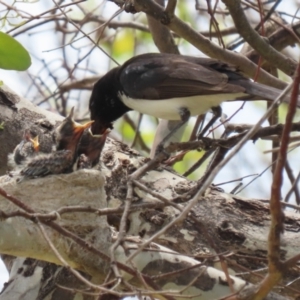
pixel 81 127
pixel 100 128
pixel 36 144
pixel 105 133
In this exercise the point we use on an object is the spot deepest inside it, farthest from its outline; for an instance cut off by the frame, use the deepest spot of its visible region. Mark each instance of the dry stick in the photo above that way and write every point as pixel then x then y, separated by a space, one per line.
pixel 195 279
pixel 297 207
pixel 197 127
pixel 257 176
pixel 81 84
pixel 179 157
pixel 66 265
pixel 138 135
pixel 44 13
pixel 255 273
pixel 226 121
pixel 280 39
pixel 78 39
pixel 156 195
pixel 208 143
pixel 276 228
pixel 65 63
pixel 274 119
pixel 294 181
pixel 122 228
pixel 141 279
pixel 182 216
pixel 230 142
pixel 291 282
pixel 168 294
pixel 256 28
pixel 236 180
pixel 218 153
pixel 226 144
pixel 292 145
pixel 54 215
pixel 180 271
pixel 98 19
pixel 287 28
pixel 197 165
pixel 60 94
pixel 171 6
pixel 224 32
pixel 291 262
pixel 277 59
pixel 94 43
pixel 214 23
pixel 77 291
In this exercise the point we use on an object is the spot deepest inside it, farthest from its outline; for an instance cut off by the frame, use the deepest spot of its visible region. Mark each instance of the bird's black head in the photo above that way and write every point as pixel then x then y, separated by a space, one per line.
pixel 105 105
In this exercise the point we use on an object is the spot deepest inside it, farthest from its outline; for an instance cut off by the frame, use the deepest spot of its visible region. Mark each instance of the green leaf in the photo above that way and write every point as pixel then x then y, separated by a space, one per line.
pixel 13 56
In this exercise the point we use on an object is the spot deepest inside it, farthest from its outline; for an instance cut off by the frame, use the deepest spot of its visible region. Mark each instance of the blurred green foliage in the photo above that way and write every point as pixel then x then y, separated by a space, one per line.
pixel 123 45
pixel 13 56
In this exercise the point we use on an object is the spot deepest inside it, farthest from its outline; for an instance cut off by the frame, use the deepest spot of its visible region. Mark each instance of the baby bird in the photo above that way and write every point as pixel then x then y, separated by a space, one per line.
pixel 28 147
pixel 90 148
pixel 62 160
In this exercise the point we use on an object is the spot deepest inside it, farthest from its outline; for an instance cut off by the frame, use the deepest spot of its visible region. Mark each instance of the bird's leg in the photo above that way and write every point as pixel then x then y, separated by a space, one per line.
pixel 184 114
pixel 217 112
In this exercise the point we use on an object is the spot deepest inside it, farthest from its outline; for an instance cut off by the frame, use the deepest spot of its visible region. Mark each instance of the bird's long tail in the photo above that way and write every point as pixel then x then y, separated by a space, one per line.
pixel 264 92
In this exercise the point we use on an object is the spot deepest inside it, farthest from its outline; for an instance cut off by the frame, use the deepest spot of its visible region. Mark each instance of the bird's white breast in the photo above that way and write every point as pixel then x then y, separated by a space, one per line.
pixel 169 109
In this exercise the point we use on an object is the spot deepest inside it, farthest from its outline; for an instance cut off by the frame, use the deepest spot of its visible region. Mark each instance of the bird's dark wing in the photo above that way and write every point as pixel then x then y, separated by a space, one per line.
pixel 160 76
pixel 52 163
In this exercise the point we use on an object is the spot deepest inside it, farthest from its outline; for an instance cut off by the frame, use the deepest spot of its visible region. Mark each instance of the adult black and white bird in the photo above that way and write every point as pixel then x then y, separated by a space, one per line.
pixel 171 87
pixel 67 136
